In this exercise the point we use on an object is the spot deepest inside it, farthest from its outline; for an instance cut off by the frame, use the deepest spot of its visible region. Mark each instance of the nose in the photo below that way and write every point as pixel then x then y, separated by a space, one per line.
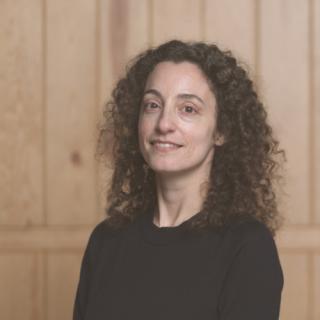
pixel 166 121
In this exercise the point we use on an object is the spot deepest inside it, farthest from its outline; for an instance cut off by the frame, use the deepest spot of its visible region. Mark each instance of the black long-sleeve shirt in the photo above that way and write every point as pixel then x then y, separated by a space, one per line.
pixel 146 272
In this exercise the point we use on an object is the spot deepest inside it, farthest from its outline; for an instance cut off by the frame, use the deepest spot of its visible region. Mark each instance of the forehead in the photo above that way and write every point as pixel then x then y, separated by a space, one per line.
pixel 185 75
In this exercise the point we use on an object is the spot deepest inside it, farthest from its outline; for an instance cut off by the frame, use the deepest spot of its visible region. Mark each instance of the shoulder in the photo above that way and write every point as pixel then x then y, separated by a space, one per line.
pixel 102 231
pixel 247 229
pixel 250 265
pixel 249 247
pixel 250 239
pixel 101 236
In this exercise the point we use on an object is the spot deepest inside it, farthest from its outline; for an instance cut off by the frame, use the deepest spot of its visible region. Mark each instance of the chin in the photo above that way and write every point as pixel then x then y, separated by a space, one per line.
pixel 169 169
pixel 164 169
pixel 159 169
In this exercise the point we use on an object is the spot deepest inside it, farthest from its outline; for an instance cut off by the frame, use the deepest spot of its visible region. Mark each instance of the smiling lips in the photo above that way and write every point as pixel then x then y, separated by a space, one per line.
pixel 165 145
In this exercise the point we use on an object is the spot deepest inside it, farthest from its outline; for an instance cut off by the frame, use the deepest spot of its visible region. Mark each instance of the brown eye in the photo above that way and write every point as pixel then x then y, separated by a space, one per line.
pixel 150 105
pixel 190 109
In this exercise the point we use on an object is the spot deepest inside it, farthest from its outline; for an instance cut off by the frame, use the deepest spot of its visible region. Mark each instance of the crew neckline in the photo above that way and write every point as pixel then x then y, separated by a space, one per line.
pixel 164 235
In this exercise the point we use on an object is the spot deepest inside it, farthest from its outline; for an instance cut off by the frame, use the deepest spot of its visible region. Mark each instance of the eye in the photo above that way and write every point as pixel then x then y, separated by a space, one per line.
pixel 190 109
pixel 150 105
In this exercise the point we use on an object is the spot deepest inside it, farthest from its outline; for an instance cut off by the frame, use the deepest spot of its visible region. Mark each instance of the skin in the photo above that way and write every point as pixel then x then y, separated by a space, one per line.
pixel 178 106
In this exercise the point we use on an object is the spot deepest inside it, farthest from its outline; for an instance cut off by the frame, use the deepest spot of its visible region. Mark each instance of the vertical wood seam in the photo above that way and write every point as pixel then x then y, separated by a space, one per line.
pixel 148 31
pixel 310 281
pixel 44 115
pixel 45 285
pixel 203 21
pixel 35 292
pixel 151 23
pixel 312 113
pixel 41 254
pixel 257 37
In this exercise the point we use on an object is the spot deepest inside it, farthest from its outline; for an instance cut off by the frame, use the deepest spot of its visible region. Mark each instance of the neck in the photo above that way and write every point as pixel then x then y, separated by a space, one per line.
pixel 179 197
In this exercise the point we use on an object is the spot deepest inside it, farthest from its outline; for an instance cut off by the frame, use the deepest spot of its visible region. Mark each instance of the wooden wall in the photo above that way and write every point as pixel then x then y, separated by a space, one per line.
pixel 58 61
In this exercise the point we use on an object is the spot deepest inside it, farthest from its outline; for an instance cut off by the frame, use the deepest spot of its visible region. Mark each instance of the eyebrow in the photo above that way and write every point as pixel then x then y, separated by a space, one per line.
pixel 180 96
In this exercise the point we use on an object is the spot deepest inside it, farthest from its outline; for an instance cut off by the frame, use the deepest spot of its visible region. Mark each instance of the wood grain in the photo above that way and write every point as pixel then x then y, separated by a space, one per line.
pixel 232 27
pixel 284 73
pixel 316 108
pixel 21 133
pixel 123 33
pixel 291 238
pixel 63 276
pixel 294 300
pixel 179 19
pixel 44 238
pixel 71 112
pixel 21 282
pixel 316 288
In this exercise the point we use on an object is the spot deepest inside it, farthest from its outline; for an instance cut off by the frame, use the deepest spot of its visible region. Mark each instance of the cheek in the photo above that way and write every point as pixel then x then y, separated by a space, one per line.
pixel 203 137
pixel 143 129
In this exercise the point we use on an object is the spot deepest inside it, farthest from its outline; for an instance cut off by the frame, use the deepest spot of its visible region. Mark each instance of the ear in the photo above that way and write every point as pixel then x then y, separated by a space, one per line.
pixel 219 139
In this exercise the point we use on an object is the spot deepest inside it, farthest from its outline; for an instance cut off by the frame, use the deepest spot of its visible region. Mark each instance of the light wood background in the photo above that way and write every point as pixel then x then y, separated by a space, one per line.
pixel 58 61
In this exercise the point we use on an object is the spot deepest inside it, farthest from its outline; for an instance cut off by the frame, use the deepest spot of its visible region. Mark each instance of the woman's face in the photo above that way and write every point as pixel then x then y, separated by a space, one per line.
pixel 177 120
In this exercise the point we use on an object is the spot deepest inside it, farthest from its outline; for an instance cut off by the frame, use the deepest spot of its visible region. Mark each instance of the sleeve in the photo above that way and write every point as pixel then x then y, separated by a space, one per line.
pixel 83 287
pixel 254 281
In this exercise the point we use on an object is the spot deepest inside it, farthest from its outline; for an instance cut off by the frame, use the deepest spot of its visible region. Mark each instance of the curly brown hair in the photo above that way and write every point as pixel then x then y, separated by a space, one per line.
pixel 244 169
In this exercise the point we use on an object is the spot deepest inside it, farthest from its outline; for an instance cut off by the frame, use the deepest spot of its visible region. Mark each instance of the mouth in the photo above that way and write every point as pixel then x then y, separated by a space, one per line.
pixel 165 146
pixel 165 143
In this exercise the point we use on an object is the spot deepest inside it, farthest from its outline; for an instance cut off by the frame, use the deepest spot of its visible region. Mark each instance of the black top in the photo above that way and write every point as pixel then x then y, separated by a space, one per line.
pixel 146 272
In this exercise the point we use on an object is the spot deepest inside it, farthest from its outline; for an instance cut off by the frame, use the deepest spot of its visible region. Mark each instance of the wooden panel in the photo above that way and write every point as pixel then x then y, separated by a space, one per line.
pixel 304 238
pixel 284 70
pixel 124 32
pixel 176 19
pixel 21 283
pixel 44 238
pixel 294 301
pixel 316 293
pixel 232 26
pixel 21 160
pixel 63 276
pixel 316 105
pixel 71 112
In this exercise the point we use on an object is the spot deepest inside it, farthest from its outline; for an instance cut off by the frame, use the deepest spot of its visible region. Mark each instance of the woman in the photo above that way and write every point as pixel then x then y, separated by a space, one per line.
pixel 191 208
